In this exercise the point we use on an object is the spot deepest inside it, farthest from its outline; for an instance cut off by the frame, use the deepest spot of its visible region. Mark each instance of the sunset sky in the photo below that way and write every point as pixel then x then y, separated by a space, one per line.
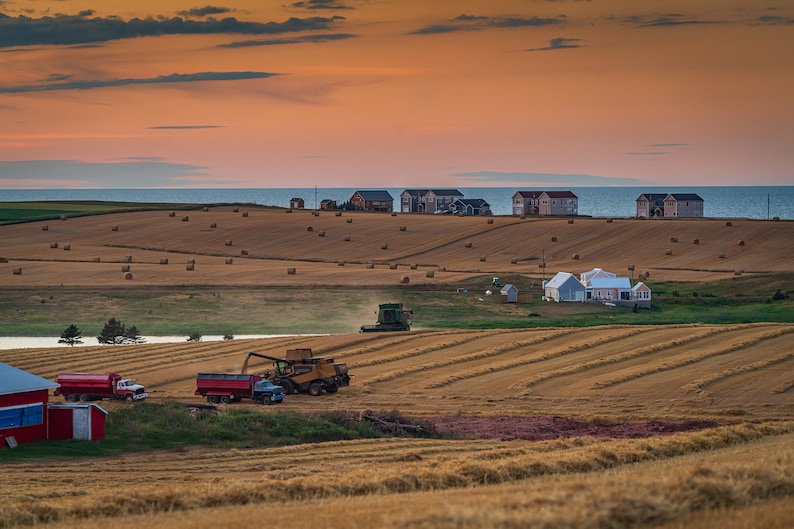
pixel 395 93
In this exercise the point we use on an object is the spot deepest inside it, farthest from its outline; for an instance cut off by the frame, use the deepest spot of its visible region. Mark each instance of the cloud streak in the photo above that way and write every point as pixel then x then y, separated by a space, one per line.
pixel 289 40
pixel 559 43
pixel 466 22
pixel 160 79
pixel 313 5
pixel 76 29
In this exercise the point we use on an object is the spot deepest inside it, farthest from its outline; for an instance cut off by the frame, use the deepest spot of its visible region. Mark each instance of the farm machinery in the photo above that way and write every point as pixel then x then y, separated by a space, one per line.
pixel 302 372
pixel 391 317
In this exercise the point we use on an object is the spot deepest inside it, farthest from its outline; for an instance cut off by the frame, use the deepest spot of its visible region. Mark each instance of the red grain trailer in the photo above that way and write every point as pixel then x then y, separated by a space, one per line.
pixel 96 386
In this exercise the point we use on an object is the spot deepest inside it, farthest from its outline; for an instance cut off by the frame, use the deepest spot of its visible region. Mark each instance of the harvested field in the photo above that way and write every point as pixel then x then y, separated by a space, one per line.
pixel 601 427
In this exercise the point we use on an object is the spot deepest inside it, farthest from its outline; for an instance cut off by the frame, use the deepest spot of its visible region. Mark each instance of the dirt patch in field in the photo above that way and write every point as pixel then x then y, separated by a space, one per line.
pixel 507 428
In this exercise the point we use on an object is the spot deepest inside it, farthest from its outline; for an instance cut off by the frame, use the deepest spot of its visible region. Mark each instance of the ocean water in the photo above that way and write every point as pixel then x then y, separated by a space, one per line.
pixel 753 202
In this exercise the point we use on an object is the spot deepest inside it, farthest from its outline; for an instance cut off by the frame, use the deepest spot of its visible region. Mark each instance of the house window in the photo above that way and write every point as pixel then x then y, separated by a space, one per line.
pixel 23 415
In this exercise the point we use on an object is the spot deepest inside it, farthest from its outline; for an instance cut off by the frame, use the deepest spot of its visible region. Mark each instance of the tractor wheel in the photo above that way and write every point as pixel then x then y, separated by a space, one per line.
pixel 287 386
pixel 266 400
pixel 315 389
pixel 225 399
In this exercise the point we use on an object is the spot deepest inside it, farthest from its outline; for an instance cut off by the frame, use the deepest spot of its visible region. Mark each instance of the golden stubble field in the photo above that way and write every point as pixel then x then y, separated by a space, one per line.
pixel 737 475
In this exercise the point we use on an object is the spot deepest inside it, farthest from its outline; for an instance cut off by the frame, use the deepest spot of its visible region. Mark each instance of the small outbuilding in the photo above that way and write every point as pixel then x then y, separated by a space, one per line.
pixel 564 287
pixel 509 293
pixel 81 421
pixel 296 203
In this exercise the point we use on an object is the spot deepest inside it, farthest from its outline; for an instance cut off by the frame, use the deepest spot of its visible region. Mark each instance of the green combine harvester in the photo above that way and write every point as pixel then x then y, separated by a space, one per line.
pixel 391 317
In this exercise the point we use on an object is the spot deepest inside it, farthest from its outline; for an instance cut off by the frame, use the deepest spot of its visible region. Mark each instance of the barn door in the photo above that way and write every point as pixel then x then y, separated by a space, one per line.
pixel 81 424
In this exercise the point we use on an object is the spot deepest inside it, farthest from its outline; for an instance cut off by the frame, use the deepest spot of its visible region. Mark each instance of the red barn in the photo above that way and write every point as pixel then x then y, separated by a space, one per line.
pixel 23 406
pixel 83 421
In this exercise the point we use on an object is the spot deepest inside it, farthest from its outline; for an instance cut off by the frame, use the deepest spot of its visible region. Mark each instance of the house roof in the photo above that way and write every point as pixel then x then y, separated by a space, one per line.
pixel 507 288
pixel 437 192
pixel 474 202
pixel 640 286
pixel 653 197
pixel 13 380
pixel 686 196
pixel 296 199
pixel 596 272
pixel 560 279
pixel 610 282
pixel 379 194
pixel 551 194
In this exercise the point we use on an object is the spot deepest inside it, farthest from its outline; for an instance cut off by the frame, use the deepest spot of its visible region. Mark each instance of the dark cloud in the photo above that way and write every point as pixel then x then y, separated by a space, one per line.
pixel 289 40
pixel 69 30
pixel 559 43
pixel 466 22
pixel 334 5
pixel 205 11
pixel 772 20
pixel 135 173
pixel 70 84
pixel 548 179
pixel 664 20
pixel 186 127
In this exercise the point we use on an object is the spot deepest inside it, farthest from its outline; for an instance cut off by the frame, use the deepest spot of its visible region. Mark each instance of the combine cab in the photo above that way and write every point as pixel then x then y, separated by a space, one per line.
pixel 391 317
pixel 302 372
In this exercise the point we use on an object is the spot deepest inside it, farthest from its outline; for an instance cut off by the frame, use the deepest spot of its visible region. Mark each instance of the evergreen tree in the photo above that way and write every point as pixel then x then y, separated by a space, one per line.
pixel 112 333
pixel 132 335
pixel 71 336
pixel 194 337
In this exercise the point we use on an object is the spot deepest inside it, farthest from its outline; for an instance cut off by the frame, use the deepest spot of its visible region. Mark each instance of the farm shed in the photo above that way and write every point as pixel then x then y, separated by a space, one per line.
pixel 509 293
pixel 564 287
pixel 82 421
pixel 377 200
pixel 23 406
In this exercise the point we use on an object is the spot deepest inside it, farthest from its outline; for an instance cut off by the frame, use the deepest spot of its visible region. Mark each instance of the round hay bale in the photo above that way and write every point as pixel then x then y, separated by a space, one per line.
pixel 3 259
pixel 191 261
pixel 741 242
pixel 128 276
pixel 347 238
pixel 429 273
pixel 67 247
pixel 17 270
pixel 490 221
pixel 190 266
pixel 291 271
pixel 631 267
pixel 63 217
pixel 315 213
pixel 172 214
pixel 393 266
pixel 482 258
pixel 309 228
pixel 414 266
pixel 245 213
pixel 522 217
pixel 722 255
pixel 370 266
pixel 321 234
pixel 575 256
pixel 163 261
pixel 114 228
pixel 570 221
pixel 235 210
pixel 475 270
pixel 288 210
pixel 338 213
pixel 609 221
pixel 205 209
pixel 737 272
pixel 95 259
pixel 776 219
pixel 695 241
pixel 542 265
pixel 53 245
pixel 668 251
pixel 673 239
pixel 229 260
pixel 213 225
pixel 125 268
pixel 45 228
pixel 349 220
pixel 647 274
pixel 228 242
pixel 341 262
pixel 514 260
pixel 185 218
pixel 393 213
pixel 243 252
pixel 468 244
pixel 461 213
pixel 403 228
pixel 405 280
pixel 384 246
pixel 127 259
pixel 442 268
pixel 554 239
pixel 729 224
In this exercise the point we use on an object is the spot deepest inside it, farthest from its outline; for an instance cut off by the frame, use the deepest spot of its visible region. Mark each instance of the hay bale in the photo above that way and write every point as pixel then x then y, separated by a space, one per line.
pixel 185 218
pixel 190 266
pixel 213 225
pixel 482 258
pixel 741 242
pixel 245 213
pixel 490 221
pixel 522 217
pixel 403 228
pixel 737 272
pixel 442 268
pixel 309 228
pixel 722 255
pixel 288 210
pixel 729 224
pixel 414 266
pixel 405 280
pixel 776 219
pixel 172 214
pixel 114 228
pixel 370 266
pixel 127 259
pixel 647 274
pixel 205 209
pixel 542 265
pixel 695 241
pixel 384 246
pixel 163 261
pixel 668 251
pixel 315 213
pixel 349 220
pixel 125 268
pixel 235 210
pixel 429 273
pixel 575 256
pixel 45 228
pixel 393 213
pixel 514 260
pixel 3 259
pixel 554 239
pixel 191 261
pixel 62 217
pixel 609 221
pixel 393 266
pixel 229 260
pixel 67 247
pixel 128 276
pixel 53 245
pixel 673 239
pixel 17 270
pixel 347 238
pixel 228 242
pixel 475 270
pixel 338 213
pixel 243 252
pixel 570 221
pixel 341 262
pixel 468 244
pixel 291 271
pixel 95 259
pixel 631 267
pixel 321 234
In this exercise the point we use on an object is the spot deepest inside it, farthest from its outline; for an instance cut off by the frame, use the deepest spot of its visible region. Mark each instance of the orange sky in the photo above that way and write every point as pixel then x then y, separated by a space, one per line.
pixel 396 93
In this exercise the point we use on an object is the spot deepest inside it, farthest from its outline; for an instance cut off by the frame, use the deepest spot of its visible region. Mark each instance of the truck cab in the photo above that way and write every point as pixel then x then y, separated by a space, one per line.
pixel 127 388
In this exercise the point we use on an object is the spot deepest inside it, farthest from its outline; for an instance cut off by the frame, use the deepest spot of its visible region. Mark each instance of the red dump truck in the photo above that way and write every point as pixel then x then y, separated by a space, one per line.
pixel 89 386
pixel 226 388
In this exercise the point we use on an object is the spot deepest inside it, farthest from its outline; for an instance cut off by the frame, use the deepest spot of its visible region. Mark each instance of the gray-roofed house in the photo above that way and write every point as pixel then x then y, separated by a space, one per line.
pixel 545 203
pixel 564 287
pixel 669 205
pixel 372 200
pixel 427 200
pixel 471 206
